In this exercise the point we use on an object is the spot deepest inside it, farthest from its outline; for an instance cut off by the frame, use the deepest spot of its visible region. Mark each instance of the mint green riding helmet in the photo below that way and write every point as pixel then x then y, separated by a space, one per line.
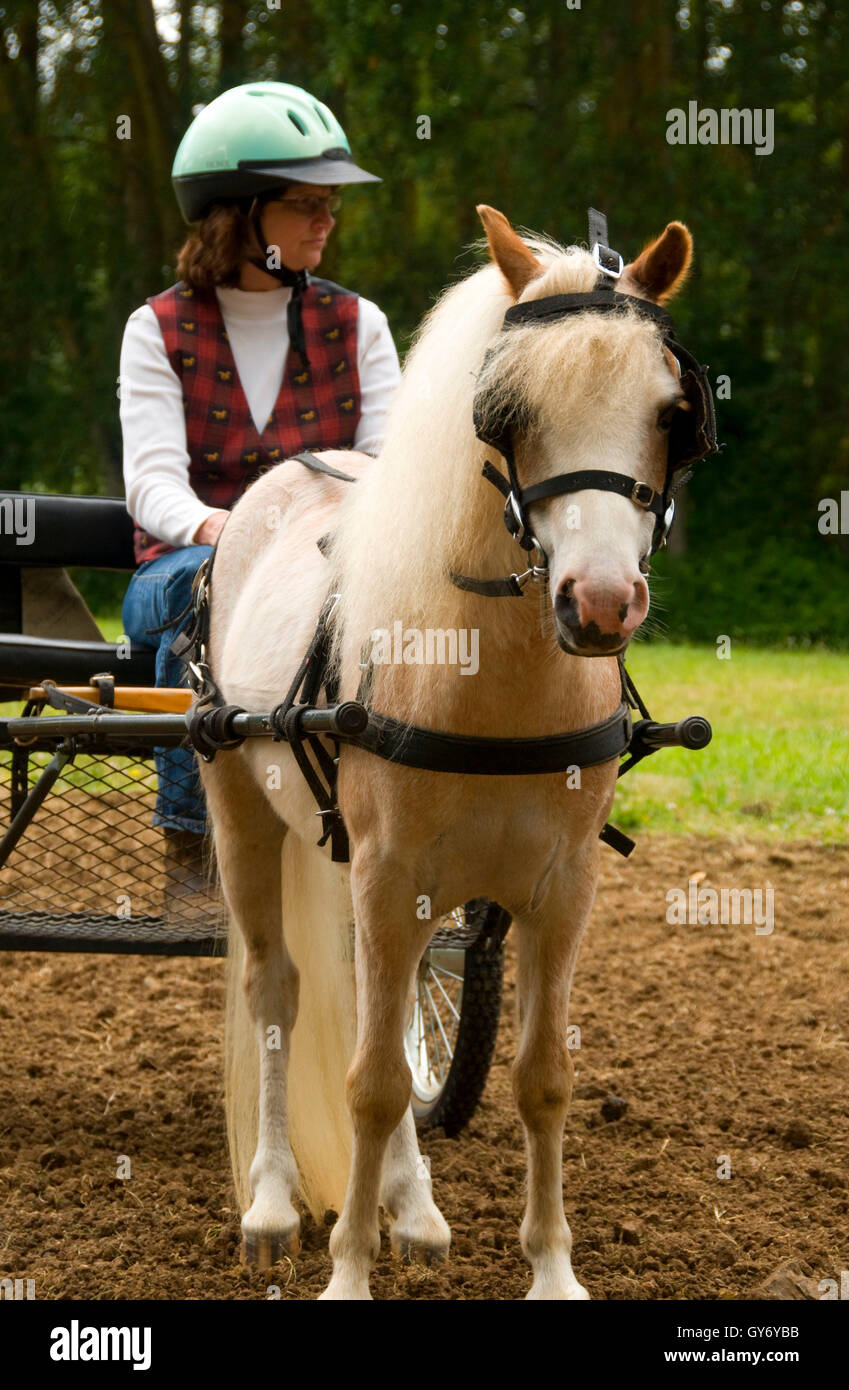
pixel 255 137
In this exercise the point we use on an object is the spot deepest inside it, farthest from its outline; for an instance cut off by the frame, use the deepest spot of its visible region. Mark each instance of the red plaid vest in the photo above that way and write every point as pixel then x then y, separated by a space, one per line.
pixel 318 407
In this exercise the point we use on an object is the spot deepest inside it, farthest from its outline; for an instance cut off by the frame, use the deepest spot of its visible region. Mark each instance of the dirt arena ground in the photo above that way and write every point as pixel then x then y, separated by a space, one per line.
pixel 720 1040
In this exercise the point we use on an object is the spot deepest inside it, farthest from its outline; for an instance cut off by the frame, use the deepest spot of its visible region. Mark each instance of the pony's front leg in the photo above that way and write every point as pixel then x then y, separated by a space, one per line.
pixel 390 941
pixel 249 841
pixel 548 940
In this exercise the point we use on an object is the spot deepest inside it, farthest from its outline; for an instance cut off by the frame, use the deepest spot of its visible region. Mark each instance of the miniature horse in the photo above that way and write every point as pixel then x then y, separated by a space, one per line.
pixel 327 1102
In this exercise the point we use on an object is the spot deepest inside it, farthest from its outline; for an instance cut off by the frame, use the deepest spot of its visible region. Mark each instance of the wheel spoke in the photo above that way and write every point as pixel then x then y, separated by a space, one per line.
pixel 439 1022
pixel 450 973
pixel 455 1018
pixel 433 1014
pixel 421 1046
pixel 433 1028
pixel 444 995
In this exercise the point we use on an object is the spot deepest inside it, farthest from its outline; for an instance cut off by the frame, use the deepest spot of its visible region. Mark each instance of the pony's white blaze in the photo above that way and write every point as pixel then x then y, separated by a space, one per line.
pixel 529 843
pixel 594 542
pixel 594 404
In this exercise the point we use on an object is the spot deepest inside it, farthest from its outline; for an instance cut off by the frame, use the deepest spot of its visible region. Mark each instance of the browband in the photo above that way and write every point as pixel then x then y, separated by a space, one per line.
pixel 556 306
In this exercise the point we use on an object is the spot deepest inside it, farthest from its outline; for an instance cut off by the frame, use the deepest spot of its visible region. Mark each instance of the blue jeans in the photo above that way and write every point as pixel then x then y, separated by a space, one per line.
pixel 159 590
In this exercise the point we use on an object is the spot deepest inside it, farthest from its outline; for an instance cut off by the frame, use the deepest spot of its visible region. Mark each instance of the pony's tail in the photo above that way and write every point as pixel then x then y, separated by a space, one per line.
pixel 317 918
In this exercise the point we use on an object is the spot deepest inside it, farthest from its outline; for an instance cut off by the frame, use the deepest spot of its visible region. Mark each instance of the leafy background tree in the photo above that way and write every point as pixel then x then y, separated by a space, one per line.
pixel 539 111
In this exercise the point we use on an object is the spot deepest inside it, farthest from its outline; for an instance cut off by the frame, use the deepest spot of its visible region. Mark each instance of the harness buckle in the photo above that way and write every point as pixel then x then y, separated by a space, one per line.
pixel 200 585
pixel 516 524
pixel 203 684
pixel 643 495
pixel 537 574
pixel 668 518
pixel 612 257
pixel 513 518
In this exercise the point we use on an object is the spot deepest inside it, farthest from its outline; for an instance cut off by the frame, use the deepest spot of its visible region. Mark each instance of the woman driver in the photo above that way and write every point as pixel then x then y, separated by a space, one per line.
pixel 247 360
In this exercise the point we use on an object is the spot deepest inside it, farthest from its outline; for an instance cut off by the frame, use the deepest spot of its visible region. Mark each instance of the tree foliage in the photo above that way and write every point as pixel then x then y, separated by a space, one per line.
pixel 540 112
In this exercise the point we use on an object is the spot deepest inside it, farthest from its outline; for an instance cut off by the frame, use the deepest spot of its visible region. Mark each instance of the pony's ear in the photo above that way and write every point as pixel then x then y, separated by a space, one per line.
pixel 516 262
pixel 660 270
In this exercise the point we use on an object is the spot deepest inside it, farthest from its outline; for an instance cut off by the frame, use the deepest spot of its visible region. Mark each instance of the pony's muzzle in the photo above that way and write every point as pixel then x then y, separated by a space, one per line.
pixel 595 619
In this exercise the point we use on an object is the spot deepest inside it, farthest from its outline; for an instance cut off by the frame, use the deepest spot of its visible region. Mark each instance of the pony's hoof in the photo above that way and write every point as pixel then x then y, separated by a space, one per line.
pixel 551 1291
pixel 346 1291
pixel 262 1249
pixel 419 1252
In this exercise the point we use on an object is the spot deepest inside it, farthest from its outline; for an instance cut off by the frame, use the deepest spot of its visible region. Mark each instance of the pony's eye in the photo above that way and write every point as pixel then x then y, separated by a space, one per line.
pixel 664 420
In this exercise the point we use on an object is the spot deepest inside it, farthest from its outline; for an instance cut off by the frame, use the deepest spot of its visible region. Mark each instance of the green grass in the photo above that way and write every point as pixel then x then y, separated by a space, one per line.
pixel 110 625
pixel 778 765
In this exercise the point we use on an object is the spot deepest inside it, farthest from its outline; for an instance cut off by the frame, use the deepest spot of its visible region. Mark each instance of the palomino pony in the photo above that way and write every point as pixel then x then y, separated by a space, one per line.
pixel 587 391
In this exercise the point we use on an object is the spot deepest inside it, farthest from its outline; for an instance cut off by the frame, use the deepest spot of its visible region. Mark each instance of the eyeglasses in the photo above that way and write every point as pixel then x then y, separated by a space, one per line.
pixel 311 207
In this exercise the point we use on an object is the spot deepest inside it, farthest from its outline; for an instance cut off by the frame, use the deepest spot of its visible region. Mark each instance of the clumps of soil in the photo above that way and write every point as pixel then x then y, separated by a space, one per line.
pixel 721 1175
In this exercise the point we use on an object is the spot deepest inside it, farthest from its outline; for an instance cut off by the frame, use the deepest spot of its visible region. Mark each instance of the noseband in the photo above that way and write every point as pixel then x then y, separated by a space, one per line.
pixel 686 446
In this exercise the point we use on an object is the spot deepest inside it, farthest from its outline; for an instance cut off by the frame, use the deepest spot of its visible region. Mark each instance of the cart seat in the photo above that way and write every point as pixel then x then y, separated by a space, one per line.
pixel 52 529
pixel 27 661
pixel 41 533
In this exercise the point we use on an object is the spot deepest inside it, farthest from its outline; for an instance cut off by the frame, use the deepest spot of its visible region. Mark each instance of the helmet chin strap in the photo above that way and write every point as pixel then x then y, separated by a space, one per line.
pixel 298 279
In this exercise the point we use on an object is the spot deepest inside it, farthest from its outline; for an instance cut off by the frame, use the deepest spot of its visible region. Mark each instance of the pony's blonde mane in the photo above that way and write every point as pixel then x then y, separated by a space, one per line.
pixel 393 548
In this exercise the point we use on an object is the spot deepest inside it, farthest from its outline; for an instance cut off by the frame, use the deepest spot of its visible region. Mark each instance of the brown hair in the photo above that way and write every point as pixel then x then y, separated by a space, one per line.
pixel 213 251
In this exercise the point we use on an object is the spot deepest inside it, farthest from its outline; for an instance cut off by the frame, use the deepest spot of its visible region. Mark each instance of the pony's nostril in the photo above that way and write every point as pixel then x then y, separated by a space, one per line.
pixel 566 610
pixel 611 608
pixel 565 605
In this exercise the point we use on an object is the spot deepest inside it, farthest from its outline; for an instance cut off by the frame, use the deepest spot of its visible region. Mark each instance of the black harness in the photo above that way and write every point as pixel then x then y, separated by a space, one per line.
pixel 300 721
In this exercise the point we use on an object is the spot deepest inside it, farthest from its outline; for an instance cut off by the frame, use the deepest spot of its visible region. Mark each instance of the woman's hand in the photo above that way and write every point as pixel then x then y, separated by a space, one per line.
pixel 209 530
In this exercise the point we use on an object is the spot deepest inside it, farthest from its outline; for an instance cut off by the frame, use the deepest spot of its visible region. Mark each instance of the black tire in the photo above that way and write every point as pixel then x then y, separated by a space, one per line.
pixel 480 1011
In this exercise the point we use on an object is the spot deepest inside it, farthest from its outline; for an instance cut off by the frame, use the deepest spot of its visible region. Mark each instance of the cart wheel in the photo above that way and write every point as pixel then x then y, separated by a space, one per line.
pixel 451 1035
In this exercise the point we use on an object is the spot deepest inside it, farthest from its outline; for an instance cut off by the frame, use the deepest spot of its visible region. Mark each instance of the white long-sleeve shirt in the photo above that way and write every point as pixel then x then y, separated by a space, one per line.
pixel 153 422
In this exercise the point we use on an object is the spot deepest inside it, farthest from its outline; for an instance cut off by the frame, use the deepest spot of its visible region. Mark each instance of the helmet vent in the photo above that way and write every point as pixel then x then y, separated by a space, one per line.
pixel 322 118
pixel 297 123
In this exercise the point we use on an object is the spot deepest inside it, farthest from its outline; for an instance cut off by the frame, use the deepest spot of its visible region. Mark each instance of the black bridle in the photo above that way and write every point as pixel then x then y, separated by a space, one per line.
pixel 688 442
